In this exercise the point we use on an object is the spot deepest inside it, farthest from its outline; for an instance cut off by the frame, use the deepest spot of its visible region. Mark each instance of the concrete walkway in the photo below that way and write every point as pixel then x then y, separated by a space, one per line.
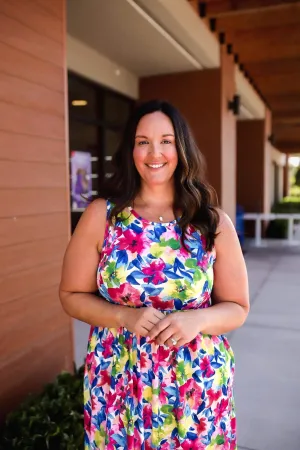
pixel 267 350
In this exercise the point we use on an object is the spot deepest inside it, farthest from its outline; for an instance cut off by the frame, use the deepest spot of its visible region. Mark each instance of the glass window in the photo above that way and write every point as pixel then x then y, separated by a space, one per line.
pixel 111 142
pixel 83 136
pixel 83 99
pixel 116 110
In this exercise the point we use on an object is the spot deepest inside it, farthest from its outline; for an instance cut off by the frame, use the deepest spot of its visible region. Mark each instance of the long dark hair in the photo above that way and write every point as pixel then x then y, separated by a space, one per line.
pixel 193 195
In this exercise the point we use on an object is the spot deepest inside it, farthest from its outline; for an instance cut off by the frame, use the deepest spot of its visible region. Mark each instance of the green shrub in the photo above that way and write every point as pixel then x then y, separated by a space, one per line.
pixel 52 420
pixel 278 228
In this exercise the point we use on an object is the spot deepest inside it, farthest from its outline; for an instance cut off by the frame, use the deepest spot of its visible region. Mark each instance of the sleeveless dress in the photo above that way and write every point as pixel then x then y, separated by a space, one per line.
pixel 139 395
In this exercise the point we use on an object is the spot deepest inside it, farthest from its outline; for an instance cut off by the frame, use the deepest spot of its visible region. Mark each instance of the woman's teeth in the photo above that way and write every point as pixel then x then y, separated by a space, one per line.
pixel 155 166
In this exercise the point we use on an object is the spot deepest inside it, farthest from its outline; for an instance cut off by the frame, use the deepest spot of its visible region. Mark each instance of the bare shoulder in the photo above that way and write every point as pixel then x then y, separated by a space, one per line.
pixel 93 220
pixel 225 221
pixel 226 232
pixel 95 209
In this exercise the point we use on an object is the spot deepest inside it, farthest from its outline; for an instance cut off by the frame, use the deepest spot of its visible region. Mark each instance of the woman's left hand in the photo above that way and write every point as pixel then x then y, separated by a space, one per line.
pixel 180 327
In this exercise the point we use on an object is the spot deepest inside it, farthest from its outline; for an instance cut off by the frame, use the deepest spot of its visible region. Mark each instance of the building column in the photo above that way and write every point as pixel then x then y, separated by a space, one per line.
pixel 35 334
pixel 202 97
pixel 286 174
pixel 254 164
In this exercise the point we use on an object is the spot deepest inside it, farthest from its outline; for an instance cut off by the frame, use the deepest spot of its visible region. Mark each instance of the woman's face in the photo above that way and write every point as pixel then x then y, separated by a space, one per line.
pixel 155 154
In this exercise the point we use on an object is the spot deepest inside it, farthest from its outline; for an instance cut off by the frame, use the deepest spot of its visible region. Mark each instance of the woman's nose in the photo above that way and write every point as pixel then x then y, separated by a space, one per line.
pixel 156 149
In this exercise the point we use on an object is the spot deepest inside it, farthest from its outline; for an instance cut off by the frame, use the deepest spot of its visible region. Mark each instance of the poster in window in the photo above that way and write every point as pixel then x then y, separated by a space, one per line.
pixel 81 171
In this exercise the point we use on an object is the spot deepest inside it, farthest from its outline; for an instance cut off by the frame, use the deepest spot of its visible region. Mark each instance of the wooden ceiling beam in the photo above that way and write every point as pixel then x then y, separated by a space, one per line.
pixel 260 51
pixel 285 101
pixel 277 84
pixel 218 8
pixel 276 67
pixel 288 147
pixel 272 35
pixel 291 151
pixel 261 45
pixel 285 14
pixel 290 134
pixel 286 119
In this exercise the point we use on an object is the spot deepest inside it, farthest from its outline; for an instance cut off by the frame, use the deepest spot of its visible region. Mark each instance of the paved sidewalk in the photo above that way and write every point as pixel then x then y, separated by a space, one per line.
pixel 267 350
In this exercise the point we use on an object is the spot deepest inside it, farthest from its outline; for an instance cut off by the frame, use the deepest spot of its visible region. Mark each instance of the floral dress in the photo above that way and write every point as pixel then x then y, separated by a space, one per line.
pixel 139 395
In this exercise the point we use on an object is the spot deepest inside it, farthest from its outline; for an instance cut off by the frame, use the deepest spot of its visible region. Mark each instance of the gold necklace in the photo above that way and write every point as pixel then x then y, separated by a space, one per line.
pixel 160 218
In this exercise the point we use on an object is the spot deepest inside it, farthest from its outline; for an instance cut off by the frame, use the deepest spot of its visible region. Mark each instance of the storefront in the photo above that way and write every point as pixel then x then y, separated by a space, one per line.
pixel 97 116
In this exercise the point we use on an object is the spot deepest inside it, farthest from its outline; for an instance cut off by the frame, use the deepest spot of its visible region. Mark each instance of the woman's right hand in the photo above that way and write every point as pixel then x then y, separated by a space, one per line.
pixel 140 320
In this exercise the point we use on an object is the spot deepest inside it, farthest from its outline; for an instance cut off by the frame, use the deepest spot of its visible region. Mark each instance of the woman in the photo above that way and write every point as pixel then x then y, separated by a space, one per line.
pixel 172 280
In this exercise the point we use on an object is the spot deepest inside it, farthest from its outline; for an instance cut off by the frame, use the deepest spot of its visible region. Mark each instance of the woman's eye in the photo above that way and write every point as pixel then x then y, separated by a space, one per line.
pixel 165 141
pixel 142 142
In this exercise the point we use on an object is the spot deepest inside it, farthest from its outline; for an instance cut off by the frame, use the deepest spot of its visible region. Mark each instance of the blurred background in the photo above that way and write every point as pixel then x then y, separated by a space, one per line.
pixel 70 74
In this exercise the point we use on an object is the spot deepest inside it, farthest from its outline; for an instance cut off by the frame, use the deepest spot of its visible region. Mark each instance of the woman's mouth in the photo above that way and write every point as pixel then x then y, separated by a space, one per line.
pixel 156 166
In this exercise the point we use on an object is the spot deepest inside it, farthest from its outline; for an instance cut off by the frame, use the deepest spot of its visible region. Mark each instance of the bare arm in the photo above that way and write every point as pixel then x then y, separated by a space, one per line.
pixel 230 296
pixel 78 281
pixel 230 291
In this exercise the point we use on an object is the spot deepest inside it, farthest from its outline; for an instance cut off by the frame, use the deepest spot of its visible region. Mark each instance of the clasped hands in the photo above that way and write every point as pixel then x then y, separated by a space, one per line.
pixel 175 329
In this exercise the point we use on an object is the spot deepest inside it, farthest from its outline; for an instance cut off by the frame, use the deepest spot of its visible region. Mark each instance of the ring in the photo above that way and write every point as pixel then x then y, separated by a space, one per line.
pixel 174 342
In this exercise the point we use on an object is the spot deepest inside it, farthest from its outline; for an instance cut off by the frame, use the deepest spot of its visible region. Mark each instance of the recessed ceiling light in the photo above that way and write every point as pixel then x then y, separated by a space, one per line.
pixel 79 102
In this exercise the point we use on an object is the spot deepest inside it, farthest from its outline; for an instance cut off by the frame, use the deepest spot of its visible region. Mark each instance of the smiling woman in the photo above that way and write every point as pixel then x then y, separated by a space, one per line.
pixel 172 279
pixel 155 154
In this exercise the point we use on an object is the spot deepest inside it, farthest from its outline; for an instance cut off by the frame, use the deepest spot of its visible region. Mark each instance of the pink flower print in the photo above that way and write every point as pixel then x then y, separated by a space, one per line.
pixel 154 272
pixel 205 300
pixel 121 390
pixel 110 399
pixel 203 263
pixel 201 427
pixel 136 387
pixel 130 442
pixel 220 409
pixel 104 378
pixel 137 439
pixel 162 393
pixel 91 364
pixel 165 446
pixel 147 416
pixel 196 444
pixel 233 425
pixel 212 397
pixel 145 361
pixel 159 303
pixel 191 392
pixel 107 346
pixel 87 419
pixel 208 371
pixel 232 445
pixel 125 295
pixel 163 354
pixel 131 241
pixel 183 252
pixel 226 344
pixel 203 240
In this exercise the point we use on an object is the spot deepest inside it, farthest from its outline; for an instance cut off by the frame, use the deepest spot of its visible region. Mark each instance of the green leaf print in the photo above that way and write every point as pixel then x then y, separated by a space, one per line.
pixel 220 439
pixel 166 409
pixel 181 430
pixel 181 372
pixel 191 263
pixel 110 274
pixel 168 420
pixel 121 339
pixel 197 275
pixel 173 243
pixel 222 347
pixel 223 375
pixel 156 391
